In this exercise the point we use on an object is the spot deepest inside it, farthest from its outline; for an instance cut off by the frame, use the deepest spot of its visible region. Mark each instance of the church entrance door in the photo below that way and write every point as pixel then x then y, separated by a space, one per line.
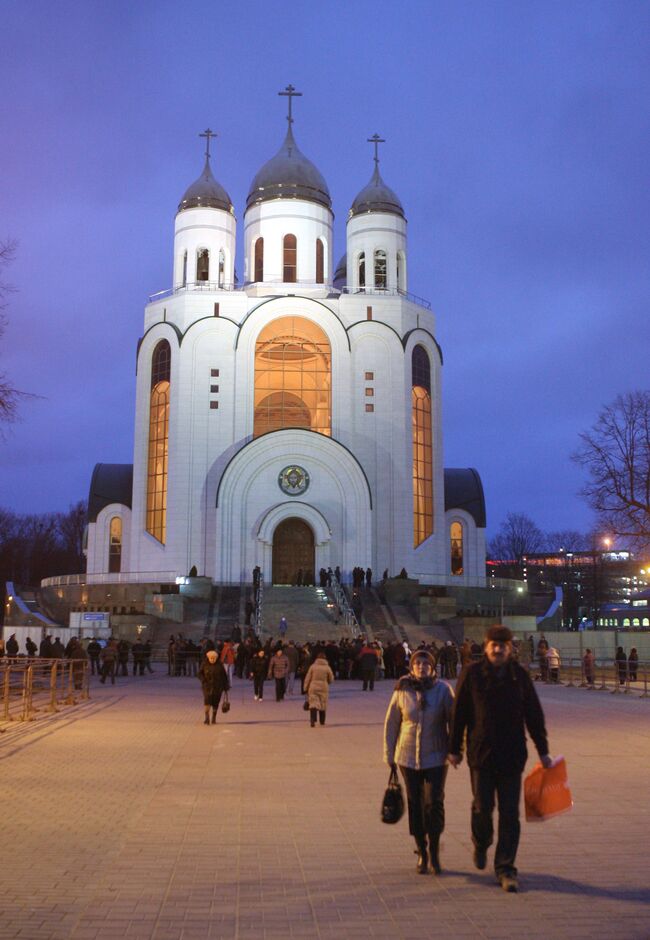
pixel 293 553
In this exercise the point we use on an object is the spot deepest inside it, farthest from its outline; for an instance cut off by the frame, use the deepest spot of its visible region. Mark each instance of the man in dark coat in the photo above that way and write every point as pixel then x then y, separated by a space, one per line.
pixel 94 650
pixel 214 682
pixel 495 703
pixel 11 647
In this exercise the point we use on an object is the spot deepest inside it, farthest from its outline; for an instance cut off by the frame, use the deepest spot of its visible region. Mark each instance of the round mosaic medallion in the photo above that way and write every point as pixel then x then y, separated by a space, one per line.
pixel 293 480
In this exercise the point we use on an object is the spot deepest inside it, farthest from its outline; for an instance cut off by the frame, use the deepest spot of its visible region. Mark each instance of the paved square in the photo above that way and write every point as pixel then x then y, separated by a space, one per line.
pixel 126 817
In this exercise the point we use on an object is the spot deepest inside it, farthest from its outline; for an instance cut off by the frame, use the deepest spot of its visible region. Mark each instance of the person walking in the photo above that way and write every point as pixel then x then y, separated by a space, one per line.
pixel 368 662
pixel 109 662
pixel 317 682
pixel 496 703
pixel 621 665
pixel 633 664
pixel 258 671
pixel 214 682
pixel 416 735
pixel 293 656
pixel 278 670
pixel 282 630
pixel 94 651
pixel 228 654
pixel 588 665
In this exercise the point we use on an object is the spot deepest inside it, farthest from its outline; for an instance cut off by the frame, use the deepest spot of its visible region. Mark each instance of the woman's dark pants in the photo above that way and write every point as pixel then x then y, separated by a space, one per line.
pixel 507 787
pixel 425 792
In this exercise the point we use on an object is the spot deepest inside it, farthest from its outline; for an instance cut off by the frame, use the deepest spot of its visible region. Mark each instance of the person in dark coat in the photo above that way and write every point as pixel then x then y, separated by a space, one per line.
pixel 258 670
pixel 368 662
pixel 45 648
pixel 11 646
pixel 57 650
pixel 621 665
pixel 495 704
pixel 632 664
pixel 94 650
pixel 214 682
pixel 31 647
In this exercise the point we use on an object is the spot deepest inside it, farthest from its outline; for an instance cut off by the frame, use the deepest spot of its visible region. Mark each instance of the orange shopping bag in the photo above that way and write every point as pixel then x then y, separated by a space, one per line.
pixel 546 791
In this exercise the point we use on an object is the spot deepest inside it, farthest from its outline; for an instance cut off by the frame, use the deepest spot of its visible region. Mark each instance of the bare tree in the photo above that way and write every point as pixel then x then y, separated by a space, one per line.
pixel 9 396
pixel 568 540
pixel 616 454
pixel 517 536
pixel 71 526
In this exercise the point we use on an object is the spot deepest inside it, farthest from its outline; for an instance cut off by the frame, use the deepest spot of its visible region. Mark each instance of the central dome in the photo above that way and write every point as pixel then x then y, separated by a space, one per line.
pixel 289 175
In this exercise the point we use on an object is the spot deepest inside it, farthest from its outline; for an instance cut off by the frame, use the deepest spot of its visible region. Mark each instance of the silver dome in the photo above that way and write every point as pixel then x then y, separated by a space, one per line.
pixel 377 197
pixel 289 175
pixel 206 192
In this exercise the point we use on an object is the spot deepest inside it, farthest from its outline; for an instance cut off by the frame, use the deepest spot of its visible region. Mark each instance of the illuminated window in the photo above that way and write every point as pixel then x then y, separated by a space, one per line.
pixel 290 247
pixel 370 407
pixel 456 553
pixel 380 269
pixel 203 265
pixel 361 269
pixel 422 446
pixel 320 262
pixel 222 266
pixel 370 392
pixel 293 377
pixel 158 441
pixel 115 545
pixel 259 260
pixel 370 376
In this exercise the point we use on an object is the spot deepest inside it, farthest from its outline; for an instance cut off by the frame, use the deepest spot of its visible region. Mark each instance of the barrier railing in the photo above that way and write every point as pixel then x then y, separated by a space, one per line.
pixel 30 686
pixel 606 675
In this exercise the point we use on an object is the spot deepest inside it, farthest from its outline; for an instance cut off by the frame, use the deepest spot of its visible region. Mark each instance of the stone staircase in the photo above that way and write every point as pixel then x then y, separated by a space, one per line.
pixel 308 616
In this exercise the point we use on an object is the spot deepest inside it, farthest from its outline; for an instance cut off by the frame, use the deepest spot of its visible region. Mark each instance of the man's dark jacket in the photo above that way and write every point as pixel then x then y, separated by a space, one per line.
pixel 495 707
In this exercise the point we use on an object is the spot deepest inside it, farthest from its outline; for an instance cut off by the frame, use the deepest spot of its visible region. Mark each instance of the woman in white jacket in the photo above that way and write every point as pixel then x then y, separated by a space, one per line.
pixel 416 733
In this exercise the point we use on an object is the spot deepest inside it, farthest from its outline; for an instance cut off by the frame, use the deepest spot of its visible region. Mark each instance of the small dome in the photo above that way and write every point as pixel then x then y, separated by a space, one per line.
pixel 376 197
pixel 205 192
pixel 341 273
pixel 289 175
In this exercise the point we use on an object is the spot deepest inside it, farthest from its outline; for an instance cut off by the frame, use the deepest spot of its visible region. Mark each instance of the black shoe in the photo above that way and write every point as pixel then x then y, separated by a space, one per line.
pixel 480 858
pixel 206 720
pixel 422 866
pixel 214 718
pixel 509 883
pixel 434 852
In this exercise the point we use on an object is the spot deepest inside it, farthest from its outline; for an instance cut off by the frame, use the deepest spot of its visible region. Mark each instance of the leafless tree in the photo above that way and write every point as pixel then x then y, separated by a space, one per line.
pixel 568 539
pixel 71 526
pixel 518 536
pixel 9 396
pixel 616 454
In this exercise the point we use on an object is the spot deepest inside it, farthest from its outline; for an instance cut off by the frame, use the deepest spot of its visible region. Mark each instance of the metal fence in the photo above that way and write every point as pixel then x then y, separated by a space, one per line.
pixel 607 675
pixel 31 687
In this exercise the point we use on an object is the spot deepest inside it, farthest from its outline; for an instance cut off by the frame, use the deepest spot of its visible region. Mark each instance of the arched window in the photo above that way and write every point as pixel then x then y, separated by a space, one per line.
pixel 401 271
pixel 380 269
pixel 290 247
pixel 203 265
pixel 115 545
pixel 222 267
pixel 422 446
pixel 158 441
pixel 361 270
pixel 320 262
pixel 293 377
pixel 184 268
pixel 456 548
pixel 259 260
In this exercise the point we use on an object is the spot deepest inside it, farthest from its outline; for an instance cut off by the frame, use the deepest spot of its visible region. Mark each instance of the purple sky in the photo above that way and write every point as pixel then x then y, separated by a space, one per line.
pixel 518 140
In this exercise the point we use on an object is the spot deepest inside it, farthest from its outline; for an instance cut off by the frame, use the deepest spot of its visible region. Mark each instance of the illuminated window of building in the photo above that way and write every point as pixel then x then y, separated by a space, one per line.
pixel 115 545
pixel 203 265
pixel 293 377
pixel 370 376
pixel 361 269
pixel 422 446
pixel 158 441
pixel 259 260
pixel 320 262
pixel 222 266
pixel 290 253
pixel 456 551
pixel 370 392
pixel 380 269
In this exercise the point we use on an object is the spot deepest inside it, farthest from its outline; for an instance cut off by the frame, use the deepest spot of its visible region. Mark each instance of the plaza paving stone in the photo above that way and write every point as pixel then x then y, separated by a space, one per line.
pixel 126 817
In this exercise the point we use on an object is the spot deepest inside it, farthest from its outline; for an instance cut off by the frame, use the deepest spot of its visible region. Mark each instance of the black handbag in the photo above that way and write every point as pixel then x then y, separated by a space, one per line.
pixel 305 705
pixel 225 705
pixel 392 805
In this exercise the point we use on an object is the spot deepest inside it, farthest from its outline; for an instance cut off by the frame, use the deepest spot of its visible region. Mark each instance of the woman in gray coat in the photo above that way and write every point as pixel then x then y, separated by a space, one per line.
pixel 416 733
pixel 317 686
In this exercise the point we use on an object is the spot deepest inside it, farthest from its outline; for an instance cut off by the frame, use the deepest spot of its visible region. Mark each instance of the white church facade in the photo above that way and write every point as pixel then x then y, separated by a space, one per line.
pixel 292 422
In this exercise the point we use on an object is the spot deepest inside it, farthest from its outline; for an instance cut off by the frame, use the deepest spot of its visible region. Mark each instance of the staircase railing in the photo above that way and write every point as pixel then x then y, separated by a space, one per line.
pixel 258 597
pixel 349 616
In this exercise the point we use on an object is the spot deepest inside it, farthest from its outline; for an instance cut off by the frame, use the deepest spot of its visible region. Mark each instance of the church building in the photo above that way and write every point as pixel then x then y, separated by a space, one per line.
pixel 291 421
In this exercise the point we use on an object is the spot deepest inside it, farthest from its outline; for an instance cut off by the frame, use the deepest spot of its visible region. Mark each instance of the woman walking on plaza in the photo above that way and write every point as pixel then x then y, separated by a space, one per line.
pixel 259 669
pixel 317 682
pixel 214 683
pixel 416 734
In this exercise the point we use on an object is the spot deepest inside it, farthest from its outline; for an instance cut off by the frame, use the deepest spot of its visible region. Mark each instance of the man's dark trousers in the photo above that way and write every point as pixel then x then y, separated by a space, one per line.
pixel 485 783
pixel 280 688
pixel 368 676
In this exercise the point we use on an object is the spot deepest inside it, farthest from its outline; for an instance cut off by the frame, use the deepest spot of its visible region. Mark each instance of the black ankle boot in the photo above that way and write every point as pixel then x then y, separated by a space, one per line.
pixel 206 720
pixel 422 863
pixel 434 852
pixel 214 716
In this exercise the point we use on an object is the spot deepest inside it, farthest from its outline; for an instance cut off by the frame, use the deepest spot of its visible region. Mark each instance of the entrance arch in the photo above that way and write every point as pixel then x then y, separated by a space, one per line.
pixel 293 551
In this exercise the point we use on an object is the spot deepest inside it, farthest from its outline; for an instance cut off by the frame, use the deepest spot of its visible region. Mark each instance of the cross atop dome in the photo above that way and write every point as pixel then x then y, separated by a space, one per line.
pixel 208 134
pixel 290 92
pixel 376 140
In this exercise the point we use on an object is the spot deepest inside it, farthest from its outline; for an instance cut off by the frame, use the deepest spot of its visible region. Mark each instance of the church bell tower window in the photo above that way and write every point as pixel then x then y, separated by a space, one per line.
pixel 293 377
pixel 380 269
pixel 290 259
pixel 456 547
pixel 158 441
pixel 184 268
pixel 115 546
pixel 259 260
pixel 361 270
pixel 320 262
pixel 222 267
pixel 422 446
pixel 203 265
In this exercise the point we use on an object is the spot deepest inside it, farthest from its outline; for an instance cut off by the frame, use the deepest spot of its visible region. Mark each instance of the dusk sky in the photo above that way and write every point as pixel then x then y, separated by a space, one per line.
pixel 518 141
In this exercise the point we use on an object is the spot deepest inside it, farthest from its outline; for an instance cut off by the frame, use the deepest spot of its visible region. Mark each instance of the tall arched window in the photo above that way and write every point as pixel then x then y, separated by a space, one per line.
pixel 361 270
pixel 422 446
pixel 158 441
pixel 380 269
pixel 184 268
pixel 203 265
pixel 290 252
pixel 456 548
pixel 293 377
pixel 401 271
pixel 115 545
pixel 259 260
pixel 320 262
pixel 222 267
